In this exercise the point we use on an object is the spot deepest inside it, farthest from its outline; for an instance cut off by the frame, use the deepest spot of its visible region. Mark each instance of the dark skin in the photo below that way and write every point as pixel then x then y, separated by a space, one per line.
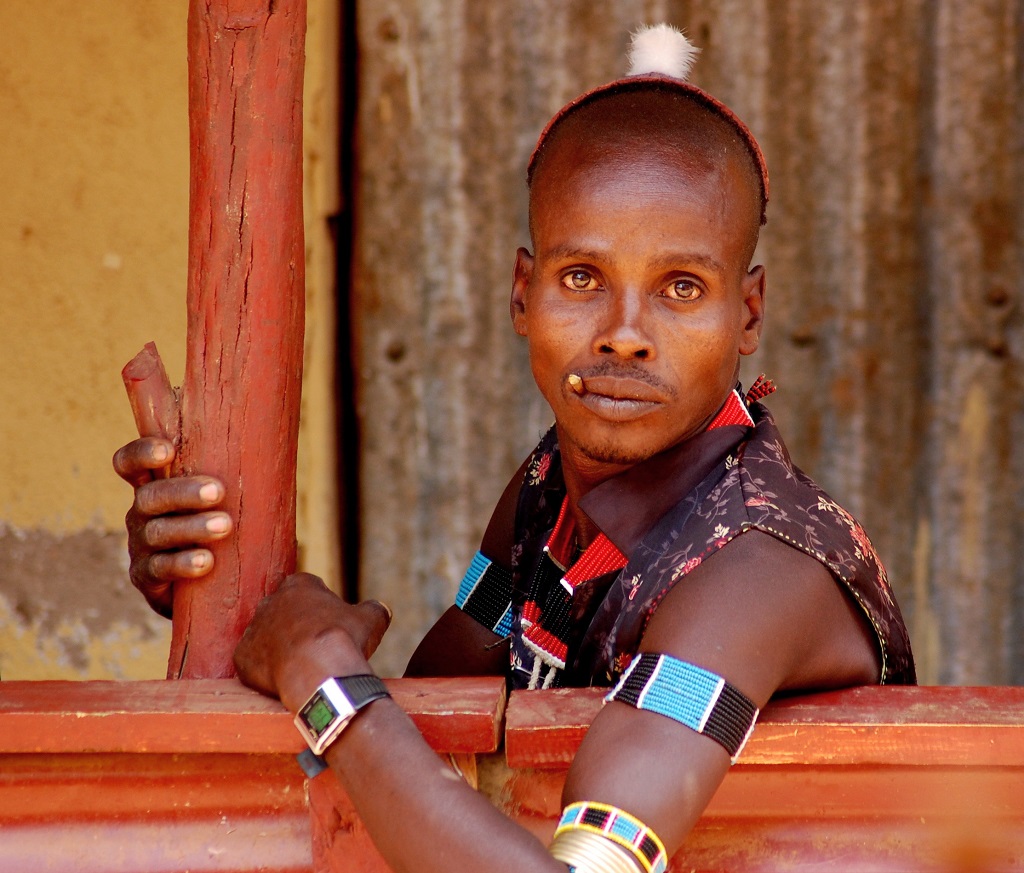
pixel 639 282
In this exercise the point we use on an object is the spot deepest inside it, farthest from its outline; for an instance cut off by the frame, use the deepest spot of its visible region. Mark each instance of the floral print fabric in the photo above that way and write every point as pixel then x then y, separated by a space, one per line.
pixel 755 487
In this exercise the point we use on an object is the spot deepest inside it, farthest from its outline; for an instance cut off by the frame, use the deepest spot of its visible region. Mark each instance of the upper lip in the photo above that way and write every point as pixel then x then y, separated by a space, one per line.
pixel 623 388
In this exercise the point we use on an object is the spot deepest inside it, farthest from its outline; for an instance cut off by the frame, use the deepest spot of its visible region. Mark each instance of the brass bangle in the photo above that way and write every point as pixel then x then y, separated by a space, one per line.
pixel 588 852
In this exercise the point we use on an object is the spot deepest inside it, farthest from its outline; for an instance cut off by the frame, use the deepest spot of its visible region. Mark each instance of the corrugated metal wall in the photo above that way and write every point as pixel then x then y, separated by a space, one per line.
pixel 894 133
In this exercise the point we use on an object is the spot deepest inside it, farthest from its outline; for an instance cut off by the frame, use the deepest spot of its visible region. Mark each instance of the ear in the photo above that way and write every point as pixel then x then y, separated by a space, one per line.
pixel 754 284
pixel 522 273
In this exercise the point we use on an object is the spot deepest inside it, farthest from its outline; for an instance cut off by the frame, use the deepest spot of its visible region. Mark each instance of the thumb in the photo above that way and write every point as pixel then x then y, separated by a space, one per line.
pixel 378 619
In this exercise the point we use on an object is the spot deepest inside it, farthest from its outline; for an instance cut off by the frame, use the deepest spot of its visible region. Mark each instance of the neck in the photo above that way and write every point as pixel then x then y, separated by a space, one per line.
pixel 582 474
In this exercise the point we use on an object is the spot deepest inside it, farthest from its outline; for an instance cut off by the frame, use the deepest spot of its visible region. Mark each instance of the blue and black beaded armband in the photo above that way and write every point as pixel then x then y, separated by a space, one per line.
pixel 690 695
pixel 485 594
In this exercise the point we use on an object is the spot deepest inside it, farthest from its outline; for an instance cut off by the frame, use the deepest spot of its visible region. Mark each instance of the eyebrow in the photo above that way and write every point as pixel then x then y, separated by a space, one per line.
pixel 671 260
pixel 668 261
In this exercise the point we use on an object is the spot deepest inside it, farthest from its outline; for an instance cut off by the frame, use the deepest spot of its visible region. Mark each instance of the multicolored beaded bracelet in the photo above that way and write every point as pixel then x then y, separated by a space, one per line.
pixel 612 824
pixel 690 695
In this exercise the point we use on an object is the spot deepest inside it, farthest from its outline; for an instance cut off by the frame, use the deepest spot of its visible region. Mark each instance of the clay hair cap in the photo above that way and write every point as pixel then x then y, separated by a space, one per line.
pixel 661 56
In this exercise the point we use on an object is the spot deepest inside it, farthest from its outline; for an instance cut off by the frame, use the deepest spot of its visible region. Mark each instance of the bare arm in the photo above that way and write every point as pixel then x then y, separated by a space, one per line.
pixel 765 618
pixel 457 645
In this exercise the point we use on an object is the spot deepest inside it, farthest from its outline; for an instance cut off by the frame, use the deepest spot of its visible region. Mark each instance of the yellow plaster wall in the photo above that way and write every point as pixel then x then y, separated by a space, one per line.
pixel 93 236
pixel 92 241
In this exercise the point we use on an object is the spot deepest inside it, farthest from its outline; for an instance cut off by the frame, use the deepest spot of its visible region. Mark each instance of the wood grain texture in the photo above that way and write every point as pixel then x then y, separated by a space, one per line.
pixel 905 727
pixel 243 370
pixel 125 777
pixel 111 812
pixel 878 779
pixel 221 715
pixel 200 775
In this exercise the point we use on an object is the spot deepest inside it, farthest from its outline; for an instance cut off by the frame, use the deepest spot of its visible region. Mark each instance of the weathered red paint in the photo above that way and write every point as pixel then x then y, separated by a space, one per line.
pixel 887 726
pixel 199 775
pixel 192 775
pixel 240 398
pixel 868 778
pixel 221 715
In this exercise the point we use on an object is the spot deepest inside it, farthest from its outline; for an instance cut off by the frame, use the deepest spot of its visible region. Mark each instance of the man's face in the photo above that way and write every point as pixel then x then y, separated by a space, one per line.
pixel 639 285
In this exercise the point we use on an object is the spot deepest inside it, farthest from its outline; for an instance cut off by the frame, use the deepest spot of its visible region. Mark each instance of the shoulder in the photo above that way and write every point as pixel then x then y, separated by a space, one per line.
pixel 768 615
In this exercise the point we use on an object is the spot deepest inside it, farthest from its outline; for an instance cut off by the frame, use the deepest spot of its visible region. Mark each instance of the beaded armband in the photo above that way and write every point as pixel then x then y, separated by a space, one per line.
pixel 485 594
pixel 690 695
pixel 603 839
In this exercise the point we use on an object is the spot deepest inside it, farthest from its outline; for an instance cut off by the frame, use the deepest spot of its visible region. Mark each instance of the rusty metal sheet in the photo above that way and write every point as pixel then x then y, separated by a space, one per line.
pixel 894 134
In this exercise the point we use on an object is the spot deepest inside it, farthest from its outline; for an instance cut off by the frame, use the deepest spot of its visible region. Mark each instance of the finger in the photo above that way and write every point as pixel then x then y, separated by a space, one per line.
pixel 378 619
pixel 159 595
pixel 135 461
pixel 251 665
pixel 176 566
pixel 302 580
pixel 180 494
pixel 182 531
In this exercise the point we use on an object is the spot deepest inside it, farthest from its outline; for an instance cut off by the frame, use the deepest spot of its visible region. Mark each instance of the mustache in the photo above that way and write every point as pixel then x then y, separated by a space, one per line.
pixel 626 371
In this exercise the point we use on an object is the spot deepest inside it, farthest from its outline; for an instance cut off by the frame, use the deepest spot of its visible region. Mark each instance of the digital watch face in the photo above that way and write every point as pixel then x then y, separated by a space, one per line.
pixel 318 715
pixel 324 716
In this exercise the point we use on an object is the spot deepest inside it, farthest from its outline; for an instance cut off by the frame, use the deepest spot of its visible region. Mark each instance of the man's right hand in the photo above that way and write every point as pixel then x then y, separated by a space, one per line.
pixel 170 522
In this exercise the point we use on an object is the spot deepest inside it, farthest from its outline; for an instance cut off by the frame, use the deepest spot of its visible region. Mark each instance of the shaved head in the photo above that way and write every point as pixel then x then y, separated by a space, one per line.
pixel 630 123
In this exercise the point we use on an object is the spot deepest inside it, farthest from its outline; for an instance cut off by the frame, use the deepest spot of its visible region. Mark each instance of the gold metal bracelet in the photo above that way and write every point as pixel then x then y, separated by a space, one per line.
pixel 591 853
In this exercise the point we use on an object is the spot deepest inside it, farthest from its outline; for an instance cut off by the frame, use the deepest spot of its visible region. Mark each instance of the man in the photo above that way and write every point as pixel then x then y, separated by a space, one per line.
pixel 658 538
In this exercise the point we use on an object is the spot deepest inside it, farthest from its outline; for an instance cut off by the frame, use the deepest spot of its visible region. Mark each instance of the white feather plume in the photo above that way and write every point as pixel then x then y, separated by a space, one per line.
pixel 661 49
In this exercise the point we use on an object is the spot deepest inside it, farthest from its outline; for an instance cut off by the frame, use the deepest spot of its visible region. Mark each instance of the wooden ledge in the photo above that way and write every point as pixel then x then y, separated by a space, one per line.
pixel 221 715
pixel 908 727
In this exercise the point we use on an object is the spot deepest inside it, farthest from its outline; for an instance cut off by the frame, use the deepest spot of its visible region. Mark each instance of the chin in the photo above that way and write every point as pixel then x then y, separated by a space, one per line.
pixel 620 453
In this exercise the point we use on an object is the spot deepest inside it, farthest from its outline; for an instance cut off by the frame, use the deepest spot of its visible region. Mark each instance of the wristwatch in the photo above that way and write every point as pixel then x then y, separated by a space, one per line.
pixel 333 705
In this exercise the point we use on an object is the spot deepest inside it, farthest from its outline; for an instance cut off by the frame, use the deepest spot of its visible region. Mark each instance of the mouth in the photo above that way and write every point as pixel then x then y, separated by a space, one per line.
pixel 619 398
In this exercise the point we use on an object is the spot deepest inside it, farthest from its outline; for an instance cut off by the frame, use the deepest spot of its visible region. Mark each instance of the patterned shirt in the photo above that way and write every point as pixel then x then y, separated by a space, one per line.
pixel 662 518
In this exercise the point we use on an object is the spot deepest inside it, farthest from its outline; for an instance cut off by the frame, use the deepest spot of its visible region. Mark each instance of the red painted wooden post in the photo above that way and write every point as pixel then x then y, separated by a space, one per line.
pixel 240 398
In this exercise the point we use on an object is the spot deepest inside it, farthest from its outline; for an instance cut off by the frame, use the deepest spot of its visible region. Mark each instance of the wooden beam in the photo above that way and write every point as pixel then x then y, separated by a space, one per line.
pixel 898 726
pixel 243 371
pixel 923 779
pixel 200 775
pixel 221 716
pixel 132 777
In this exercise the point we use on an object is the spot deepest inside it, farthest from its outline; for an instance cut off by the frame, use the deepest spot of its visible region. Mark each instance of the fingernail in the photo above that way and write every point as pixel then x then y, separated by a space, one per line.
pixel 209 493
pixel 219 524
pixel 200 561
pixel 160 453
pixel 388 610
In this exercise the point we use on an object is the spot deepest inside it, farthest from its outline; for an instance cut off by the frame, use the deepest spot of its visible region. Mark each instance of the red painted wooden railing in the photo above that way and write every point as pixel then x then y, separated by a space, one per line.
pixel 101 777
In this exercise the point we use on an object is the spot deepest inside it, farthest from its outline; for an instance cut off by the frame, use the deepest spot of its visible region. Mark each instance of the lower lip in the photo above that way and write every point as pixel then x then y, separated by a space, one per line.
pixel 617 408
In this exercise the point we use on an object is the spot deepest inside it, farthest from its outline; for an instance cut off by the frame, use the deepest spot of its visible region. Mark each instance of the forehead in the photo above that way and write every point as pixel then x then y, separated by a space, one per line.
pixel 630 196
pixel 629 127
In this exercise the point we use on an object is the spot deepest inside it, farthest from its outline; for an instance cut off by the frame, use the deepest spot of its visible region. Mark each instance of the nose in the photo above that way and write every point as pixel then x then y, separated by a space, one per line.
pixel 624 330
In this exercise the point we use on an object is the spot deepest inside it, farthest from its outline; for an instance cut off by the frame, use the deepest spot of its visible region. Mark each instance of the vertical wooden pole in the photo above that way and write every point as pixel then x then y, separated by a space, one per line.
pixel 240 399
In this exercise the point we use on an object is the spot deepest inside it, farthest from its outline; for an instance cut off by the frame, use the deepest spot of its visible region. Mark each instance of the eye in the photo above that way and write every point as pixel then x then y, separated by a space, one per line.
pixel 580 280
pixel 683 289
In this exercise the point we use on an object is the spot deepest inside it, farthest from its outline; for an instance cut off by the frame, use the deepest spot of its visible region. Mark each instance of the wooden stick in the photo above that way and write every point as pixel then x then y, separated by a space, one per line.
pixel 153 401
